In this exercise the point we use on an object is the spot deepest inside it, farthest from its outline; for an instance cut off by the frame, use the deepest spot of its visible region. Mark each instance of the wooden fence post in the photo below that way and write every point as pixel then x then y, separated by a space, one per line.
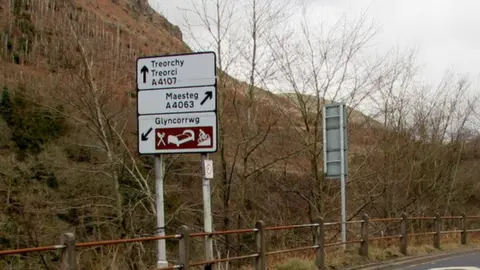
pixel 437 226
pixel 184 247
pixel 364 235
pixel 260 261
pixel 404 232
pixel 319 238
pixel 69 262
pixel 464 229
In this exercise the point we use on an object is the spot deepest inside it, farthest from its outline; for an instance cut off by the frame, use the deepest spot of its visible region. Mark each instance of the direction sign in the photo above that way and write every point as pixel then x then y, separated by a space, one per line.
pixel 176 113
pixel 177 103
pixel 178 133
pixel 174 71
pixel 178 100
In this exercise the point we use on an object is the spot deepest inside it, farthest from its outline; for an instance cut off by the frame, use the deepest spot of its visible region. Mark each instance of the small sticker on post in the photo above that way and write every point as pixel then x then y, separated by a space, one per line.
pixel 208 168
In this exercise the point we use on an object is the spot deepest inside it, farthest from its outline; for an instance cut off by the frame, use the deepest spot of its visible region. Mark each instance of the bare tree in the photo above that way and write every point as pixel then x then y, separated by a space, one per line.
pixel 415 157
pixel 326 64
pixel 101 120
pixel 220 27
pixel 247 56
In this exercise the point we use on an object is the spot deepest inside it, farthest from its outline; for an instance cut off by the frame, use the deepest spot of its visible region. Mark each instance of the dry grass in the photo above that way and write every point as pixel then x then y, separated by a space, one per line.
pixel 134 35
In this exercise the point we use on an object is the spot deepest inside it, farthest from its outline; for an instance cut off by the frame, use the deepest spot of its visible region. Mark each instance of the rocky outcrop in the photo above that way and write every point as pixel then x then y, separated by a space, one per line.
pixel 144 8
pixel 174 30
pixel 139 6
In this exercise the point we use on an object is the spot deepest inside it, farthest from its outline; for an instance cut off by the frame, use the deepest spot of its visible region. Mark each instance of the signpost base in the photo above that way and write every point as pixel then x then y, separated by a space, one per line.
pixel 162 264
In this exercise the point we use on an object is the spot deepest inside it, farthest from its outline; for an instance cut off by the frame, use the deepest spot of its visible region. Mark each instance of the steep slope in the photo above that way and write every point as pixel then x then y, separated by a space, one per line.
pixel 68 143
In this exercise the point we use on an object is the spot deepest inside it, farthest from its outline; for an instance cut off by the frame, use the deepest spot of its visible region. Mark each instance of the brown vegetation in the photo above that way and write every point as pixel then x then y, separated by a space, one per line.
pixel 68 141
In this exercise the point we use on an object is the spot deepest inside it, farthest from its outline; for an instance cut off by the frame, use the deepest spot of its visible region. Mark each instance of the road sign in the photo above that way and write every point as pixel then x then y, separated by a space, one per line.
pixel 177 100
pixel 335 153
pixel 177 103
pixel 178 133
pixel 169 89
pixel 335 140
pixel 174 71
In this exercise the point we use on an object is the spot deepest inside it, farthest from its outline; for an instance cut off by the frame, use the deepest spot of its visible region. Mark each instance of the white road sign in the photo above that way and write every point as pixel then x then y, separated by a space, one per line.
pixel 174 71
pixel 177 133
pixel 208 168
pixel 177 100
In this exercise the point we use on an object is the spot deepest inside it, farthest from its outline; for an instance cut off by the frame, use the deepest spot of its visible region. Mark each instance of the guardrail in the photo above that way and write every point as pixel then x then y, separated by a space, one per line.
pixel 68 245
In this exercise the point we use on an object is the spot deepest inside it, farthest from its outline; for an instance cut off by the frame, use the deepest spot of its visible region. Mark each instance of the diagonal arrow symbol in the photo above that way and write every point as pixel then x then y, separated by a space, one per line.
pixel 145 135
pixel 208 95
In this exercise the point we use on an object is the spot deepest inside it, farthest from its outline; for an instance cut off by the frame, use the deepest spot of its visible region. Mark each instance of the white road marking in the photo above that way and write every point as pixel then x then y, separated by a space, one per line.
pixel 456 268
pixel 436 261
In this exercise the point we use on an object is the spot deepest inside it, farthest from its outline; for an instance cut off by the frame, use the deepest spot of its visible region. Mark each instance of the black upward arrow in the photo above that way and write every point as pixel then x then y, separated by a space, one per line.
pixel 145 135
pixel 144 71
pixel 208 95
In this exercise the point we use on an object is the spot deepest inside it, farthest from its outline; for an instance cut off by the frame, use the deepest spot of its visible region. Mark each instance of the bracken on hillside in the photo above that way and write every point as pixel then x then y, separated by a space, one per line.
pixel 68 145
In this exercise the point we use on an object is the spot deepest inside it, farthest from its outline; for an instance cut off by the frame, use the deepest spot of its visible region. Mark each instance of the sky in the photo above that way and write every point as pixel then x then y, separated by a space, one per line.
pixel 445 32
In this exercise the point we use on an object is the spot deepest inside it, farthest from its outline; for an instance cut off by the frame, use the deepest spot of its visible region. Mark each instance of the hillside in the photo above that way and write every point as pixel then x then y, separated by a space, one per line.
pixel 68 145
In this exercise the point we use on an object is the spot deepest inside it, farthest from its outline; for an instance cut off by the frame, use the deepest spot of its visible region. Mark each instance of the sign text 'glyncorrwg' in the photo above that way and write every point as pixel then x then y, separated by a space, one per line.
pixel 176 71
pixel 195 99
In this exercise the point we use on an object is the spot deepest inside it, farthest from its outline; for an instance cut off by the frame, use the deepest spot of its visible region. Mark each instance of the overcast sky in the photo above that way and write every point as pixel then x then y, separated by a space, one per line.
pixel 446 32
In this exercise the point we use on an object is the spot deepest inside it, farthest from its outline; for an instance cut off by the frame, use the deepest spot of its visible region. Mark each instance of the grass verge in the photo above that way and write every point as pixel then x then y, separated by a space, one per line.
pixel 336 258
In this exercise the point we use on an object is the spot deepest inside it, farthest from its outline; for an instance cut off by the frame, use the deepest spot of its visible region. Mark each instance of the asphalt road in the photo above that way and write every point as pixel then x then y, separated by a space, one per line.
pixel 470 261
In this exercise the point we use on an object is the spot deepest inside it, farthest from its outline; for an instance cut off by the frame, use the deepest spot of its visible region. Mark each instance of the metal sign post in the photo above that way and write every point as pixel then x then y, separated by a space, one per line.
pixel 336 154
pixel 207 172
pixel 177 113
pixel 161 247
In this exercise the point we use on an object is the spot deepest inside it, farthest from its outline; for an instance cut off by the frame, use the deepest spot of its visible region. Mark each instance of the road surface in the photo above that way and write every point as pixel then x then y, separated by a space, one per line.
pixel 469 261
